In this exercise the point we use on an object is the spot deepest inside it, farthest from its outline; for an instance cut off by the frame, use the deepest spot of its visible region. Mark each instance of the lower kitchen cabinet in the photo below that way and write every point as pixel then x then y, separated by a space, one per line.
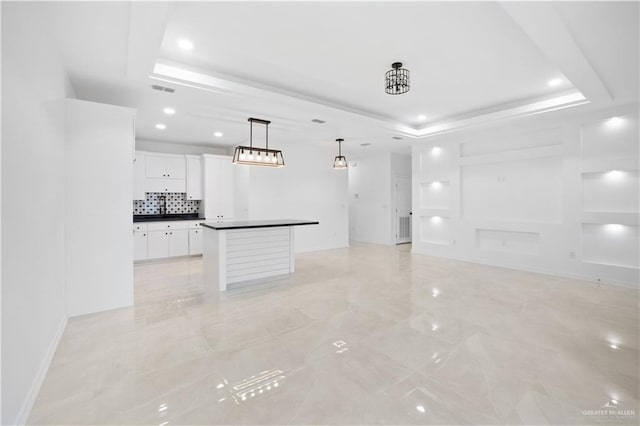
pixel 158 240
pixel 195 241
pixel 178 242
pixel 140 245
pixel 158 244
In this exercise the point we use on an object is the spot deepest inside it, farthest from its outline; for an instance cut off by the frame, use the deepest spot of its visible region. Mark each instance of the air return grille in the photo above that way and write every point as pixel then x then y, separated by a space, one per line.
pixel 162 88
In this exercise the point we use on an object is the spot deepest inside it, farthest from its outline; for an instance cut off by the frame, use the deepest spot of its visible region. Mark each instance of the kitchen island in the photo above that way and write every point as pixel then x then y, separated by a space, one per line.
pixel 239 253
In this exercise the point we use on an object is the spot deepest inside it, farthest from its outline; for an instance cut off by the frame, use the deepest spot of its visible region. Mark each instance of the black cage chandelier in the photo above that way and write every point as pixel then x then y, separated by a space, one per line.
pixel 340 162
pixel 396 80
pixel 254 156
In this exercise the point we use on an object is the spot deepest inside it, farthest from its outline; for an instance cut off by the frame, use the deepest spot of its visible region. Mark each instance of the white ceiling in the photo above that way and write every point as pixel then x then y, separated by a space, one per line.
pixel 292 62
pixel 462 56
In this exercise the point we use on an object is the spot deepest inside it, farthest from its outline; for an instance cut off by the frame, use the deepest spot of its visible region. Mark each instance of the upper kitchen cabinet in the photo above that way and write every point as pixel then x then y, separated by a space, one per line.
pixel 165 166
pixel 219 181
pixel 164 185
pixel 139 175
pixel 165 172
pixel 194 177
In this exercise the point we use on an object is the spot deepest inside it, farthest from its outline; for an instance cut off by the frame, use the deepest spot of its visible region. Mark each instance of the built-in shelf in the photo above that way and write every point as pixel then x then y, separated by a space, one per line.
pixel 612 191
pixel 601 165
pixel 610 244
pixel 515 242
pixel 604 140
pixel 435 163
pixel 622 218
pixel 435 194
pixel 435 230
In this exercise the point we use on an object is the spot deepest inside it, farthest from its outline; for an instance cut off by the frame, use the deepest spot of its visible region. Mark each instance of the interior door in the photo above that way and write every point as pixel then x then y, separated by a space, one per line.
pixel 402 189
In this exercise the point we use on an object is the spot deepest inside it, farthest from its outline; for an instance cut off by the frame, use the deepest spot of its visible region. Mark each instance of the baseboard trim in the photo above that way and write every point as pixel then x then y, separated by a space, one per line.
pixel 44 368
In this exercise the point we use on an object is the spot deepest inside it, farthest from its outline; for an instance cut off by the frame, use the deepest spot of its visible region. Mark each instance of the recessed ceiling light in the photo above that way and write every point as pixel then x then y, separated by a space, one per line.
pixel 218 134
pixel 422 117
pixel 160 126
pixel 185 44
pixel 555 82
pixel 169 111
pixel 396 138
pixel 365 144
pixel 317 120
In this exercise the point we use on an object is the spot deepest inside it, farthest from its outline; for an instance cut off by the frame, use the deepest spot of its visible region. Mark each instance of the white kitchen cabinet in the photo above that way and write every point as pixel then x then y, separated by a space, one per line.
pixel 218 187
pixel 140 250
pixel 158 244
pixel 178 242
pixel 139 175
pixel 165 166
pixel 195 241
pixel 194 177
pixel 139 227
pixel 227 178
pixel 165 185
pixel 158 240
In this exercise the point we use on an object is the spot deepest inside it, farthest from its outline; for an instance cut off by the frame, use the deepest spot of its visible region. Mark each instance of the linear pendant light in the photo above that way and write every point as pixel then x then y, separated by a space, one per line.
pixel 255 156
pixel 340 162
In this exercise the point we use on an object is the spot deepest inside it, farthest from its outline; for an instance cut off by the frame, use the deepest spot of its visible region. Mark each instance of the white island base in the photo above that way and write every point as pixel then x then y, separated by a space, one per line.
pixel 248 252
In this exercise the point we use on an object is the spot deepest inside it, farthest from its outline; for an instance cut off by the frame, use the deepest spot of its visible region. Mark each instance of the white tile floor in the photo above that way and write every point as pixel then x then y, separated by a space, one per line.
pixel 365 335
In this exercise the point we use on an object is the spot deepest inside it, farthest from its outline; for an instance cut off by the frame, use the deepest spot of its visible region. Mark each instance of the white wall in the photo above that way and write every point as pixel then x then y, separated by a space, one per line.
pixel 371 196
pixel 98 193
pixel 306 188
pixel 534 194
pixel 34 86
pixel 178 148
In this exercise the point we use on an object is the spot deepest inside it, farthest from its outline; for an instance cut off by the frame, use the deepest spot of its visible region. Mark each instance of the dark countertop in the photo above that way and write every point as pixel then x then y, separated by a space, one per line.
pixel 245 224
pixel 165 217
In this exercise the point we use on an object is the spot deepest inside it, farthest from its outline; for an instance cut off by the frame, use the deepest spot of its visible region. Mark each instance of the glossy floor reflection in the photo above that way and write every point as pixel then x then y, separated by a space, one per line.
pixel 365 335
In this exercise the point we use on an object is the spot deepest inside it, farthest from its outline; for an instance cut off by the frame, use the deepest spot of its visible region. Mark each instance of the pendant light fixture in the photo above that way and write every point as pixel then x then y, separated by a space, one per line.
pixel 253 156
pixel 340 162
pixel 396 80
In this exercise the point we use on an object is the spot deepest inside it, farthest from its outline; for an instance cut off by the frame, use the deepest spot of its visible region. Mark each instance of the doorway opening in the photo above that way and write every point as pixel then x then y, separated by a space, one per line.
pixel 403 213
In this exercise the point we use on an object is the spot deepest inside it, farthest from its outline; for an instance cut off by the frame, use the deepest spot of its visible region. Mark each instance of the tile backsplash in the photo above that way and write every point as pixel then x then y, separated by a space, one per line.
pixel 176 203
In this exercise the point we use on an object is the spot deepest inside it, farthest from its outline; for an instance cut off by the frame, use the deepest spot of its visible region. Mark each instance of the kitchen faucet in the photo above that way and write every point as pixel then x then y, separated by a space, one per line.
pixel 163 205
